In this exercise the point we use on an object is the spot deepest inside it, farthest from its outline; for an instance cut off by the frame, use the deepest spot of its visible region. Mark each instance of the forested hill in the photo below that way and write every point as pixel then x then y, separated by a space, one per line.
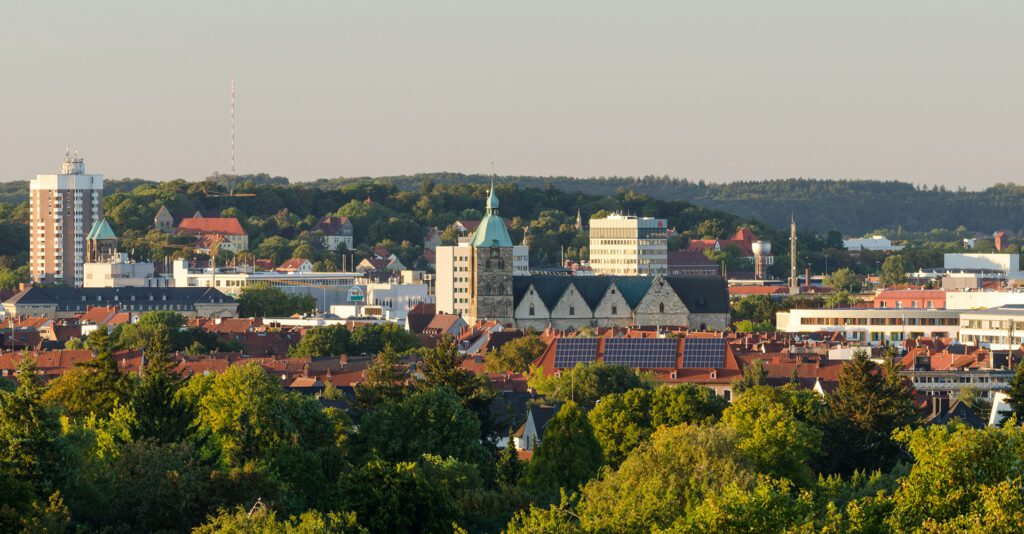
pixel 853 206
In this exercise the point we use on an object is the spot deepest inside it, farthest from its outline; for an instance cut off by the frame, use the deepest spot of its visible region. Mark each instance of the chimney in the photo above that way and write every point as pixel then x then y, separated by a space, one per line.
pixel 940 405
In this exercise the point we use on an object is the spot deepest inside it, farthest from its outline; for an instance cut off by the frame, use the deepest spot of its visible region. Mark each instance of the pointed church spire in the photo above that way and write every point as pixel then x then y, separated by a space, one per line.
pixel 492 201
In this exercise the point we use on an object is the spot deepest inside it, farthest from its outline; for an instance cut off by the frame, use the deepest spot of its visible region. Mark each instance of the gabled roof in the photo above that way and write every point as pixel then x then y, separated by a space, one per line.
pixel 98 315
pixel 633 288
pixel 292 265
pixel 548 288
pixel 443 323
pixel 211 225
pixel 335 226
pixel 592 288
pixel 701 295
pixel 101 230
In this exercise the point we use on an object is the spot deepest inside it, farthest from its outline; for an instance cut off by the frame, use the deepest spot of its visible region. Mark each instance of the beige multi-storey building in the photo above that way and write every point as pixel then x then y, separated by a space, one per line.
pixel 454 278
pixel 63 208
pixel 629 245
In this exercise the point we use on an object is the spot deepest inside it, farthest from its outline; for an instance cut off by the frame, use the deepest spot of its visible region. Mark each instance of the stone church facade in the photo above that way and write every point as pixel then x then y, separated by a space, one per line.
pixel 573 302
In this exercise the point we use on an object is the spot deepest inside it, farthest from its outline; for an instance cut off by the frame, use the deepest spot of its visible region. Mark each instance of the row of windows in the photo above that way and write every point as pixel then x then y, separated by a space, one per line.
pixel 967 379
pixel 878 321
pixel 572 309
pixel 990 324
pixel 898 304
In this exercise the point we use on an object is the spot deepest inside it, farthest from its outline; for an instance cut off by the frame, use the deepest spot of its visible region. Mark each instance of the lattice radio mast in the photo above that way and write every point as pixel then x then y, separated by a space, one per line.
pixel 232 125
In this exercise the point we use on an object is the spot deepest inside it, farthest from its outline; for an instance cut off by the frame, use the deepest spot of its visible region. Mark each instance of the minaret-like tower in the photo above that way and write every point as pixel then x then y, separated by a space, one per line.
pixel 794 285
pixel 579 220
pixel 491 267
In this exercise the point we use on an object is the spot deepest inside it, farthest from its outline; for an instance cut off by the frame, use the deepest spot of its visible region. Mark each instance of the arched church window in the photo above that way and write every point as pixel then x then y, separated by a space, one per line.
pixel 661 307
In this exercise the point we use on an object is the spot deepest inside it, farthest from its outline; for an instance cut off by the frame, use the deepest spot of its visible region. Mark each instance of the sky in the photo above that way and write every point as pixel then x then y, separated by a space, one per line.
pixel 929 92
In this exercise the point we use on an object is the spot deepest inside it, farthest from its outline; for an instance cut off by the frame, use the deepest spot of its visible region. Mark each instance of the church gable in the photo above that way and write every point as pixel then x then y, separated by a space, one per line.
pixel 661 305
pixel 613 305
pixel 571 305
pixel 531 305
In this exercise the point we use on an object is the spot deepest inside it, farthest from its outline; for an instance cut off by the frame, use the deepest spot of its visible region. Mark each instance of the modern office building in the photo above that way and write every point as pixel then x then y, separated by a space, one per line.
pixel 874 325
pixel 628 245
pixel 63 207
pixel 995 328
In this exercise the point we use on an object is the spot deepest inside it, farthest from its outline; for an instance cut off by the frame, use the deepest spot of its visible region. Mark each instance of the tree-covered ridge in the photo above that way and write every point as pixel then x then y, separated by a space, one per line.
pixel 855 207
pixel 281 219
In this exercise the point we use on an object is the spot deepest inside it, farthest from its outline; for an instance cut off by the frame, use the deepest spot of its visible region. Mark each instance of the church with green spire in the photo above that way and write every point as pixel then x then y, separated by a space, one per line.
pixel 495 290
pixel 491 267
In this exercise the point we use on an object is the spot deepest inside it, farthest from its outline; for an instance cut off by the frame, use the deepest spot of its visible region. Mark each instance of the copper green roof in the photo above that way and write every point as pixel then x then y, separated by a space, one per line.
pixel 492 231
pixel 101 230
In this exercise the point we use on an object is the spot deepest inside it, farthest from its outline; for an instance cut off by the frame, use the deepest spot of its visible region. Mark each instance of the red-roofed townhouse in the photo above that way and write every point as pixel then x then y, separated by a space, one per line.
pixel 226 232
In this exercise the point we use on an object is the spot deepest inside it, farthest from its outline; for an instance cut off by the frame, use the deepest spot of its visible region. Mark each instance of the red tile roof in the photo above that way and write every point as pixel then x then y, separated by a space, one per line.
pixel 332 225
pixel 98 314
pixel 292 265
pixel 211 225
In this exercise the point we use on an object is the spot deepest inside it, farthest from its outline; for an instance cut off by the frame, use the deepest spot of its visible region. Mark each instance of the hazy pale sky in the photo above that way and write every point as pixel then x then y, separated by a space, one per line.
pixel 924 91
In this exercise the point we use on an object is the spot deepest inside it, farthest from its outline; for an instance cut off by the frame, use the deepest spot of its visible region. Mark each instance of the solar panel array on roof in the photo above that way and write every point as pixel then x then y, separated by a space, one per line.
pixel 640 353
pixel 703 353
pixel 573 350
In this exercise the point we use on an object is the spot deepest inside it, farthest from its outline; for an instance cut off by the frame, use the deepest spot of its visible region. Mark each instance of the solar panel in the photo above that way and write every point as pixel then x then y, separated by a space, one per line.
pixel 703 353
pixel 572 350
pixel 657 353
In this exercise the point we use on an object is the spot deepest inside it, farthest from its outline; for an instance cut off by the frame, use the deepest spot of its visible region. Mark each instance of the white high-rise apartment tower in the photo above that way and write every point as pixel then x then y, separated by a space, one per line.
pixel 64 208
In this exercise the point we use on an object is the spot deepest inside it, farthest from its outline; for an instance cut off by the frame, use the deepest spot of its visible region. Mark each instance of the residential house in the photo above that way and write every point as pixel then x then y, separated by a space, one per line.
pixel 337 231
pixel 212 232
pixel 295 265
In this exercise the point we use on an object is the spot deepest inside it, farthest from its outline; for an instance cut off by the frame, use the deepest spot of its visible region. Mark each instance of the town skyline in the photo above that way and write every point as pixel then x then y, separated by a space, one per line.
pixel 693 92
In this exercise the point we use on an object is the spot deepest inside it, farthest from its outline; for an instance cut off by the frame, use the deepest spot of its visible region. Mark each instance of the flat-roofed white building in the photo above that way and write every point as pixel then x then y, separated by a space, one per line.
pixel 327 288
pixel 878 243
pixel 387 300
pixel 122 272
pixel 875 325
pixel 993 328
pixel 975 300
pixel 1008 263
pixel 629 245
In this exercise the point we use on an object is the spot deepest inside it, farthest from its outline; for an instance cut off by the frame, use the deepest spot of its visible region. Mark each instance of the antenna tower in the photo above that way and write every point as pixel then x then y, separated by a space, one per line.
pixel 232 125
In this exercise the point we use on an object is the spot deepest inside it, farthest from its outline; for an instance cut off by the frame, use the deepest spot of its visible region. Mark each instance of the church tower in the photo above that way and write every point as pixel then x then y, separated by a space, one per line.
pixel 491 268
pixel 100 243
